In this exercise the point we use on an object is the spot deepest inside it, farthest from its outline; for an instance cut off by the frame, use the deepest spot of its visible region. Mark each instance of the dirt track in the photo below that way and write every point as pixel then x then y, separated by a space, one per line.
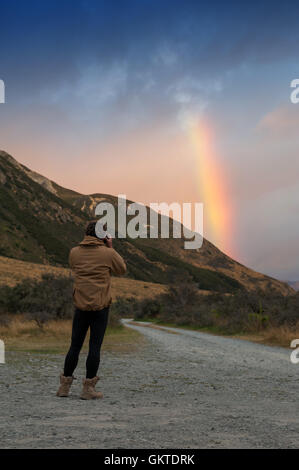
pixel 184 390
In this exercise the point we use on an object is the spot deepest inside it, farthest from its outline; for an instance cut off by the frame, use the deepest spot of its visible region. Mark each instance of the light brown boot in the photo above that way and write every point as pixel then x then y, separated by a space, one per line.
pixel 89 392
pixel 65 385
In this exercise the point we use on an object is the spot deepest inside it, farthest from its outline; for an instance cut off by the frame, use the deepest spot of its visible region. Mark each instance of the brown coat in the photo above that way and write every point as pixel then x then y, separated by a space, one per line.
pixel 92 263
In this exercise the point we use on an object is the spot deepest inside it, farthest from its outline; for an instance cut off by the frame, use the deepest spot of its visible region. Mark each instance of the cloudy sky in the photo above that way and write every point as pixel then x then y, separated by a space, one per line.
pixel 164 101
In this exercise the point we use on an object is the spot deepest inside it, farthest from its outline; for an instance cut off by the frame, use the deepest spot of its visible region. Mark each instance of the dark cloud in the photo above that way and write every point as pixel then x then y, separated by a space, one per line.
pixel 45 43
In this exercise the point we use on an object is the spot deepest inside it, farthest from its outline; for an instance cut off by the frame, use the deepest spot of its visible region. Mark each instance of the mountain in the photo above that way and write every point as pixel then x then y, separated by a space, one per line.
pixel 40 221
pixel 294 284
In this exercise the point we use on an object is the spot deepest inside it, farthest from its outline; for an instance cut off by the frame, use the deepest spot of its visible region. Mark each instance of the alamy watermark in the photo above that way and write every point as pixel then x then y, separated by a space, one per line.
pixel 2 92
pixel 295 354
pixel 2 352
pixel 295 93
pixel 135 220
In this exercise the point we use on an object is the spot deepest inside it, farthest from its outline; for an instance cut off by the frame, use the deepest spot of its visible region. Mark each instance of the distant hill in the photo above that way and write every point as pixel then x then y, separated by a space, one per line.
pixel 294 284
pixel 40 221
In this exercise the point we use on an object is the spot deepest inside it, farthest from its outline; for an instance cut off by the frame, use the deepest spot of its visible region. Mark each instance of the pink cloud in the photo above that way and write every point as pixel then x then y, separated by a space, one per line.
pixel 282 121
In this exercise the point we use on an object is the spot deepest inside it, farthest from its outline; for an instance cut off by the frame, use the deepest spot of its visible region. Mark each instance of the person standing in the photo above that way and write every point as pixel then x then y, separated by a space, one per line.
pixel 92 262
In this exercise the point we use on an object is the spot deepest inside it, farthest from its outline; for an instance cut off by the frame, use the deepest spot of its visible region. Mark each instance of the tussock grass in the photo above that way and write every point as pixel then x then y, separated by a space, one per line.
pixel 22 334
pixel 274 335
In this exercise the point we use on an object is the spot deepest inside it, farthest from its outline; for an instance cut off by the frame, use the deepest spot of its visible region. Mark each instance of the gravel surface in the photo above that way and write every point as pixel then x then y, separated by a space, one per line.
pixel 183 389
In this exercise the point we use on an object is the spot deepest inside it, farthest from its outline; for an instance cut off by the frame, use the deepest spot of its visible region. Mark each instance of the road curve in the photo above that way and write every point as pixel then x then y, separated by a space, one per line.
pixel 183 389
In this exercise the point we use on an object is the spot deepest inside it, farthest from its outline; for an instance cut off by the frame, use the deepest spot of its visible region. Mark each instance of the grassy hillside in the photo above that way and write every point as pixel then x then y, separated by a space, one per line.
pixel 13 271
pixel 35 224
pixel 40 221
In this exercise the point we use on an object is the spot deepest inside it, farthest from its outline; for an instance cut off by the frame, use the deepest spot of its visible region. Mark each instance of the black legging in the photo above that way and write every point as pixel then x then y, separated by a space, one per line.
pixel 97 322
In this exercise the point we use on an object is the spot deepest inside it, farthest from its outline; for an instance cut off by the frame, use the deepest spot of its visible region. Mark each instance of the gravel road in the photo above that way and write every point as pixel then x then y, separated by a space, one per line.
pixel 183 389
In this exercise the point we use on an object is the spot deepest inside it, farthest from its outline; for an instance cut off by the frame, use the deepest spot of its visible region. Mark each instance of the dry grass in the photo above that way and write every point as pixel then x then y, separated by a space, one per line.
pixel 24 335
pixel 13 271
pixel 124 287
pixel 274 336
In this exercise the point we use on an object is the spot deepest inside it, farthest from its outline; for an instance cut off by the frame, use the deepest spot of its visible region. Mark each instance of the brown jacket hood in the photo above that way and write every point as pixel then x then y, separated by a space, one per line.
pixel 91 241
pixel 92 264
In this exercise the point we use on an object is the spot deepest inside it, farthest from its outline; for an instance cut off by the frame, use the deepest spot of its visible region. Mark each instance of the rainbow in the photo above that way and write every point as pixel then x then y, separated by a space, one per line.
pixel 213 187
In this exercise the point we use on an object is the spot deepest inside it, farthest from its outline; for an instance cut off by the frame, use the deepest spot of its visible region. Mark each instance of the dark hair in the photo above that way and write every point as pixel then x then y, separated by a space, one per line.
pixel 90 229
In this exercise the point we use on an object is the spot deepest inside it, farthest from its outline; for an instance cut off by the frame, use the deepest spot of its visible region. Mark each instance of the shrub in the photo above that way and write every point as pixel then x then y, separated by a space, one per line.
pixel 243 311
pixel 51 296
pixel 121 308
pixel 5 320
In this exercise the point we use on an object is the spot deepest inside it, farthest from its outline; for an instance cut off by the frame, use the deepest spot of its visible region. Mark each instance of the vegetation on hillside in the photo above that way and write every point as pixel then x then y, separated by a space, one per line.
pixel 205 279
pixel 50 298
pixel 35 224
pixel 241 312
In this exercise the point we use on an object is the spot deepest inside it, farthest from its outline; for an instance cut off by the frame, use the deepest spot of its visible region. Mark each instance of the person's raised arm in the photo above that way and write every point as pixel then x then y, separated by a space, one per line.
pixel 118 266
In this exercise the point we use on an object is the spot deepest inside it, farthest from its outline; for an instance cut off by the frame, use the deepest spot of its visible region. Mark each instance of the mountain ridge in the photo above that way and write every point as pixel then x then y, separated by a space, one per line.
pixel 294 284
pixel 41 221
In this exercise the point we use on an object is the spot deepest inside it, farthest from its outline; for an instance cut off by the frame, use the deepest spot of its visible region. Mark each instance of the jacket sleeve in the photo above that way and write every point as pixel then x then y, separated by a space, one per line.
pixel 118 266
